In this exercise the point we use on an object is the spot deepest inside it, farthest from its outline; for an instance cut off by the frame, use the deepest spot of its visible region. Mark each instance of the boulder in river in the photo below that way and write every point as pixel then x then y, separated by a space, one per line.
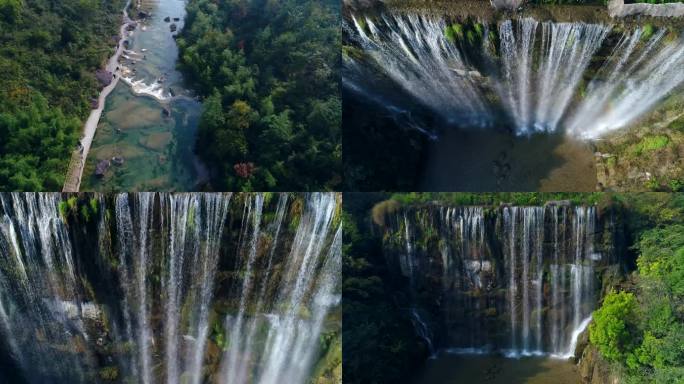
pixel 143 15
pixel 176 19
pixel 166 112
pixel 167 19
pixel 104 77
pixel 102 168
pixel 118 160
pixel 174 27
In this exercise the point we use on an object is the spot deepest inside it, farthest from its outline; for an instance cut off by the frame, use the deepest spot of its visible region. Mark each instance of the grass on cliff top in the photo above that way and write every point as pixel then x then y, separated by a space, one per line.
pixel 496 198
pixel 648 156
pixel 649 144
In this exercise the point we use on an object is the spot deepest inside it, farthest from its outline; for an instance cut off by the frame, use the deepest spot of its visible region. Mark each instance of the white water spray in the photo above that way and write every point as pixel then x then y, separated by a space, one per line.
pixel 528 70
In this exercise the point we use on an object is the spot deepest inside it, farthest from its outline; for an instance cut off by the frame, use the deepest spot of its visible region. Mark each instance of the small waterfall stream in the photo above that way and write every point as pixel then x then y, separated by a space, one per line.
pixel 468 74
pixel 521 281
pixel 168 288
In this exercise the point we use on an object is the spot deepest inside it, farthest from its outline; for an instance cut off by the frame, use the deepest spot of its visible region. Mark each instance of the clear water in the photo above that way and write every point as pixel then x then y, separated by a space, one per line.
pixel 157 149
pixel 488 160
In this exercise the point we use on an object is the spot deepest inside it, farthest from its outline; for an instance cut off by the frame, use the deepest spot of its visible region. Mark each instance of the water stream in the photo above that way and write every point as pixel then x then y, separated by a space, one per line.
pixel 147 130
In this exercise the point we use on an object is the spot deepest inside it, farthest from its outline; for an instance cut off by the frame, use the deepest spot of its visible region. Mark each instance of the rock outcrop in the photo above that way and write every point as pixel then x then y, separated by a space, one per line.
pixel 594 369
pixel 102 168
pixel 104 77
pixel 507 4
pixel 618 8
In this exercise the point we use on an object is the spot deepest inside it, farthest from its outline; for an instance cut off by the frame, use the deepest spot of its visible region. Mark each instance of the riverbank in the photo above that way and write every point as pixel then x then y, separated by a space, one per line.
pixel 72 182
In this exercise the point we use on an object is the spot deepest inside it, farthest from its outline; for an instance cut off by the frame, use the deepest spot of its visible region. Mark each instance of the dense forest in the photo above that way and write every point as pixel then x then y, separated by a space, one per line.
pixel 49 52
pixel 269 73
pixel 638 329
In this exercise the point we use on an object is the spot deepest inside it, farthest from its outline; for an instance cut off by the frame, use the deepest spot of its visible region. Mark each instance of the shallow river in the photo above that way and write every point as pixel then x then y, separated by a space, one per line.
pixel 147 131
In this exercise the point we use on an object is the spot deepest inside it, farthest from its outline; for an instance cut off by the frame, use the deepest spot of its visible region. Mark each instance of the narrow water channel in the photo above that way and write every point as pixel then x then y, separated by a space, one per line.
pixel 145 138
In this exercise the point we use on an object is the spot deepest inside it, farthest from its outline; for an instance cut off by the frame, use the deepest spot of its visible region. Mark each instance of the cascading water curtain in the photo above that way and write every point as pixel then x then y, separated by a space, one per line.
pixel 168 288
pixel 42 316
pixel 464 72
pixel 569 264
pixel 518 280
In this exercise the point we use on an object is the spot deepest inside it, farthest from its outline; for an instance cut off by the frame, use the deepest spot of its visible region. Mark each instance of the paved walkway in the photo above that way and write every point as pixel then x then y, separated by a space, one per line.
pixel 72 183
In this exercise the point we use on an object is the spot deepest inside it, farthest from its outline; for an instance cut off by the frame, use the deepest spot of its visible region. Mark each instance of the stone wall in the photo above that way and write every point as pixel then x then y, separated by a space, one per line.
pixel 618 8
pixel 507 4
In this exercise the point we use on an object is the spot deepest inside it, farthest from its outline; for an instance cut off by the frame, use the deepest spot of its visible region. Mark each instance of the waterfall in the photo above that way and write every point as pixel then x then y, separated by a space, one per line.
pixel 531 268
pixel 554 82
pixel 413 52
pixel 635 78
pixel 240 375
pixel 168 288
pixel 422 329
pixel 465 73
pixel 39 298
pixel 254 210
pixel 510 219
pixel 310 276
pixel 531 257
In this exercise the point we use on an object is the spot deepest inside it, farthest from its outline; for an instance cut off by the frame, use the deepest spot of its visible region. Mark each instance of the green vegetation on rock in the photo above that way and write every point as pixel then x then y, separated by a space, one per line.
pixel 642 331
pixel 496 198
pixel 610 329
pixel 648 156
pixel 378 341
pixel 649 144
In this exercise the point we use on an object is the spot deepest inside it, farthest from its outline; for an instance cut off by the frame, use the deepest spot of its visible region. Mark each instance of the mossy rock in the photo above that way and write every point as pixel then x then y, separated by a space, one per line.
pixel 110 373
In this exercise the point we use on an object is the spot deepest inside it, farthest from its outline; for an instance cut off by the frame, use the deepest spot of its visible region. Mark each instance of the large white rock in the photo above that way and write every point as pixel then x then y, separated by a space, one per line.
pixel 507 4
pixel 618 8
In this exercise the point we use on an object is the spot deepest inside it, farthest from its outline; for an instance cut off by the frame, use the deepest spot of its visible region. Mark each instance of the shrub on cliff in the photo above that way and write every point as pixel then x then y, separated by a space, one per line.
pixel 613 329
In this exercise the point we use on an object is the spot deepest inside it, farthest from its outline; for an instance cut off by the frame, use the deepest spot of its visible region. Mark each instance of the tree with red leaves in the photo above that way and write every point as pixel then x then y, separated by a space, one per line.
pixel 244 170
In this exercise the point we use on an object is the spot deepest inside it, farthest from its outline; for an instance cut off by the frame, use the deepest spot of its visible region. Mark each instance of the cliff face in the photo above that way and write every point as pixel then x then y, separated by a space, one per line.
pixel 150 287
pixel 594 369
pixel 520 280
